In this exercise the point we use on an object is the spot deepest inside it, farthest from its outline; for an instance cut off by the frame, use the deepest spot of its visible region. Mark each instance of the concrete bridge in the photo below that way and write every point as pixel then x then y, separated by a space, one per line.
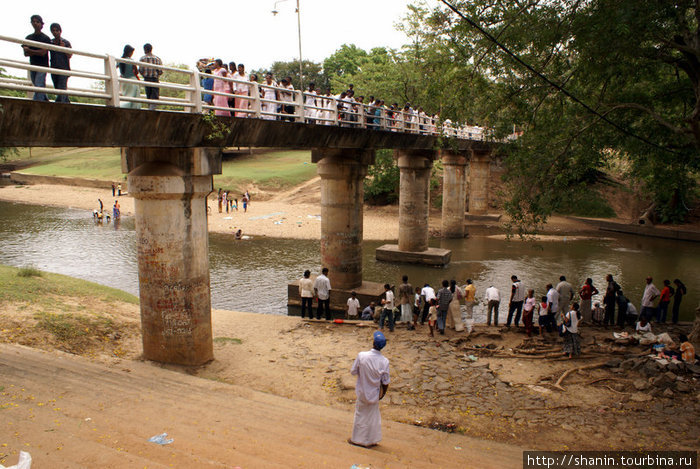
pixel 170 158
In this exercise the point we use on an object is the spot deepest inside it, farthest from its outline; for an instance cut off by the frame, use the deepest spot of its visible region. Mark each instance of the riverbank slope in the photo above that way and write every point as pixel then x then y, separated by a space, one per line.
pixel 285 382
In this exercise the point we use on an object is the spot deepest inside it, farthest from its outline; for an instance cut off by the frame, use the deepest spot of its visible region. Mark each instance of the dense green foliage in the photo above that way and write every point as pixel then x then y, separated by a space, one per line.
pixel 637 63
pixel 381 186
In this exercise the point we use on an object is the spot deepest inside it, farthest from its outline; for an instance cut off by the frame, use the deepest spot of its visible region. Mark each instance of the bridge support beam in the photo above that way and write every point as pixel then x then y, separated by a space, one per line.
pixel 342 173
pixel 479 175
pixel 414 205
pixel 342 192
pixel 454 194
pixel 169 187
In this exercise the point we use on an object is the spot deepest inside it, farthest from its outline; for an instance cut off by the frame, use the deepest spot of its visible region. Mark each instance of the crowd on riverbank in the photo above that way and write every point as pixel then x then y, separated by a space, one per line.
pixel 562 309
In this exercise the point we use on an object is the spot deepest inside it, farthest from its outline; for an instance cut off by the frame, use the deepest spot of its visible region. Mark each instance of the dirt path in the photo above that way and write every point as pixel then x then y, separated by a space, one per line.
pixel 69 412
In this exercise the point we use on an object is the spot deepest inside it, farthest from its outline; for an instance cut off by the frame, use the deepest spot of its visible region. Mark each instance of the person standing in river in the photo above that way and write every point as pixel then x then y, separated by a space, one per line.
pixel 677 297
pixel 566 296
pixel 650 294
pixel 517 297
pixel 586 293
pixel 609 300
pixel 664 300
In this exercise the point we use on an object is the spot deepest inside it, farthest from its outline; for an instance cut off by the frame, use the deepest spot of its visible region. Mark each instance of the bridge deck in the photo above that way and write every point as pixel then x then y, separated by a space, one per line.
pixel 37 124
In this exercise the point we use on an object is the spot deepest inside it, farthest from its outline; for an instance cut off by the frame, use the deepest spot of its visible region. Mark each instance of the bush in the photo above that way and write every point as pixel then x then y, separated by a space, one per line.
pixel 29 272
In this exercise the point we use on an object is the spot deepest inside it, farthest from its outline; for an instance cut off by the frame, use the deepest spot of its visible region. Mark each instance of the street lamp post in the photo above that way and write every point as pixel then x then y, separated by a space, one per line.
pixel 301 67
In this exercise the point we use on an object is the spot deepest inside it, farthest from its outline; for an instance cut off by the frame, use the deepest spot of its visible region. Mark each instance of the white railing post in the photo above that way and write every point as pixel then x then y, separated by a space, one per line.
pixel 334 111
pixel 196 95
pixel 112 84
pixel 299 108
pixel 256 105
pixel 30 94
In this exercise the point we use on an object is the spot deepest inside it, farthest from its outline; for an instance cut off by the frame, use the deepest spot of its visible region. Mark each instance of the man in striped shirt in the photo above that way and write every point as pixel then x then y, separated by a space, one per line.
pixel 151 74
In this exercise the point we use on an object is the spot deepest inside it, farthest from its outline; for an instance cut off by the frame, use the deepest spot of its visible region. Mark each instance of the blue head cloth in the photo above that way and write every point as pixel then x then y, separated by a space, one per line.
pixel 379 340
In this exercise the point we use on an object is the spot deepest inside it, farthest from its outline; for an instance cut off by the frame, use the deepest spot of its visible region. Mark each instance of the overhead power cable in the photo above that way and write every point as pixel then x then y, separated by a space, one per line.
pixel 551 83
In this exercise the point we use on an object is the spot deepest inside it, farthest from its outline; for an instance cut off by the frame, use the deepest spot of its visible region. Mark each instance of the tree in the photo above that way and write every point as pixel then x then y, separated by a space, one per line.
pixel 313 73
pixel 636 64
pixel 381 186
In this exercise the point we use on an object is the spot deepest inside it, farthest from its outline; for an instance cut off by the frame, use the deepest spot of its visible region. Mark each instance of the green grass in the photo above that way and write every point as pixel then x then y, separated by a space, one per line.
pixel 67 327
pixel 269 171
pixel 227 340
pixel 42 289
pixel 276 170
pixel 95 163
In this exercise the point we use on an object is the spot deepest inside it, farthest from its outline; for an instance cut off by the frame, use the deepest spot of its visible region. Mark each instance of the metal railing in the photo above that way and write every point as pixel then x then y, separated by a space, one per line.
pixel 226 97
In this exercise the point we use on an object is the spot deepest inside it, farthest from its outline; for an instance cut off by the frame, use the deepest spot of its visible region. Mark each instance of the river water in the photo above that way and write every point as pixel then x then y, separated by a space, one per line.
pixel 252 275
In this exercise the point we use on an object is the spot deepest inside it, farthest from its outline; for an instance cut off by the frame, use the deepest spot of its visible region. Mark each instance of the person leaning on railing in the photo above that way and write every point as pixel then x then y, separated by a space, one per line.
pixel 131 72
pixel 61 61
pixel 151 74
pixel 37 56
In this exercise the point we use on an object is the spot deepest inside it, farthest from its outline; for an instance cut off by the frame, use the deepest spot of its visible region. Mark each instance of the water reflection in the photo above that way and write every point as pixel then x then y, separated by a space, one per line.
pixel 252 275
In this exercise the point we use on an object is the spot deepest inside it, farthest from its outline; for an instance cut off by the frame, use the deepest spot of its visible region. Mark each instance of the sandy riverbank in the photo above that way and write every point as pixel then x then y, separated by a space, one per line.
pixel 285 215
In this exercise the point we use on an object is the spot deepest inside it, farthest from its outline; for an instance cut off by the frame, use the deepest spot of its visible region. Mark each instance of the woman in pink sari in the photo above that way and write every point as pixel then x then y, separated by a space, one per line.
pixel 221 86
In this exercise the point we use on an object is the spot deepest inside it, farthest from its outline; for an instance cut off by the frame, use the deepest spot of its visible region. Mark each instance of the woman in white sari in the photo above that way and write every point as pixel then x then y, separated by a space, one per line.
pixel 310 104
pixel 269 109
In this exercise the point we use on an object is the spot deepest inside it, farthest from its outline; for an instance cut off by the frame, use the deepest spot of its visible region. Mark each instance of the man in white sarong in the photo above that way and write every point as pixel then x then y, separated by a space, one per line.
pixel 372 371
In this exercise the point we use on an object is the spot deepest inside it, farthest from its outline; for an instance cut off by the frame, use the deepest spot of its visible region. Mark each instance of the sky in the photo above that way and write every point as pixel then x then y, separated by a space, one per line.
pixel 234 30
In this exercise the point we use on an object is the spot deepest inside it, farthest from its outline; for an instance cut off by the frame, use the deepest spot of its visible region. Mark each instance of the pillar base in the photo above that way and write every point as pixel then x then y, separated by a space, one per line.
pixel 493 217
pixel 432 256
pixel 368 291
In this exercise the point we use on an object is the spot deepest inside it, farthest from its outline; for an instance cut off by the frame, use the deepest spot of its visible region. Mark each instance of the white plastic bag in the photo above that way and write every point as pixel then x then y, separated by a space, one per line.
pixel 24 462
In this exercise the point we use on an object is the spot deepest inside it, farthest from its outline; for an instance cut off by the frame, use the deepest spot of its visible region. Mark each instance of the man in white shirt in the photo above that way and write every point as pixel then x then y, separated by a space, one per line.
pixel 517 297
pixel 322 290
pixel 650 294
pixel 493 300
pixel 372 371
pixel 427 294
pixel 566 294
pixel 353 305
pixel 388 310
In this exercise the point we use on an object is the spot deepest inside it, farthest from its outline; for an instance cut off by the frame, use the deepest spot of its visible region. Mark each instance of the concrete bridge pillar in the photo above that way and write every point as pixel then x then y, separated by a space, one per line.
pixel 169 187
pixel 414 198
pixel 454 194
pixel 479 175
pixel 414 205
pixel 342 173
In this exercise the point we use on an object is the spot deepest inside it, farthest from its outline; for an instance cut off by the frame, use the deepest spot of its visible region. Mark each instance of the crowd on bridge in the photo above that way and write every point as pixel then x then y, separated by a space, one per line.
pixel 227 89
pixel 560 309
pixel 319 105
